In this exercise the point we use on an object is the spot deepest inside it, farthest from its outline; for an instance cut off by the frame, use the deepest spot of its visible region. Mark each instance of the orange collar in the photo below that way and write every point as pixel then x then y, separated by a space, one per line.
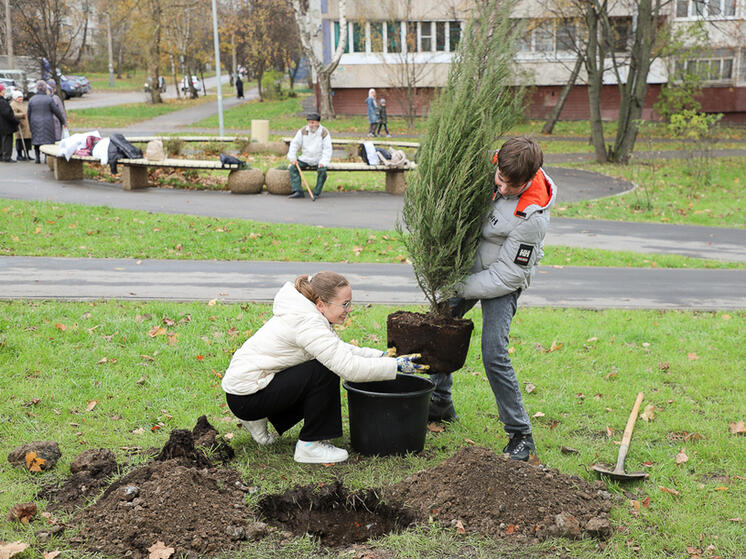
pixel 539 192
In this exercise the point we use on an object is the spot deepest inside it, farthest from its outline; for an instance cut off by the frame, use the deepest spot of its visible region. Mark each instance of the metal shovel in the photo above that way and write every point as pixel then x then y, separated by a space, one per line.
pixel 618 473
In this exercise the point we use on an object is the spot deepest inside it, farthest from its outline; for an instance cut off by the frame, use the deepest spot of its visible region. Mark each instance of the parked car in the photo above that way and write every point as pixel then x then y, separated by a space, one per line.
pixel 82 81
pixel 185 85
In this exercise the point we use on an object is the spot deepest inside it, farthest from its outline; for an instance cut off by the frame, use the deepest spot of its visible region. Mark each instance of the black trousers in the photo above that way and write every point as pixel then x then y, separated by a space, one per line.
pixel 6 146
pixel 20 143
pixel 308 392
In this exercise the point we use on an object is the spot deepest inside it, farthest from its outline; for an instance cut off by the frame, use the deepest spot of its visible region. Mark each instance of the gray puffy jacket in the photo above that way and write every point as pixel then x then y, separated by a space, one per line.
pixel 512 242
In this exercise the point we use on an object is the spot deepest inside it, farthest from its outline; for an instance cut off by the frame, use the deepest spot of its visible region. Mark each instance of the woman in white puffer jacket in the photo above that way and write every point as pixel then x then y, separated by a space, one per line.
pixel 289 370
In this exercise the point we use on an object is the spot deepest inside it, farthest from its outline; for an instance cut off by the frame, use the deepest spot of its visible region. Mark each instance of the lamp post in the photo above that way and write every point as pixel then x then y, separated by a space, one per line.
pixel 8 34
pixel 111 56
pixel 216 41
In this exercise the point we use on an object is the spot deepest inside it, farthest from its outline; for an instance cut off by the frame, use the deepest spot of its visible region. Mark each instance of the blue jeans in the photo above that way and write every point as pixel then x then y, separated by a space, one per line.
pixel 497 315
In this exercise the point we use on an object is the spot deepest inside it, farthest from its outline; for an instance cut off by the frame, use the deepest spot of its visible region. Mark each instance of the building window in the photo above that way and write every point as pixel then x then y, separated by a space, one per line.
pixel 715 68
pixel 336 37
pixel 393 36
pixel 621 34
pixel 454 35
pixel 376 36
pixel 440 36
pixel 426 36
pixel 358 36
pixel 548 36
pixel 705 8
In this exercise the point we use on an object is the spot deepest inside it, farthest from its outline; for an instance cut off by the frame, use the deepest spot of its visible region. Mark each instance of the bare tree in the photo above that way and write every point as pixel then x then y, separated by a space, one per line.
pixel 52 28
pixel 309 30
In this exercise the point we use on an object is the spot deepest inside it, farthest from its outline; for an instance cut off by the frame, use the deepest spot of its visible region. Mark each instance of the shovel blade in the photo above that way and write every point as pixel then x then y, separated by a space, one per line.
pixel 617 475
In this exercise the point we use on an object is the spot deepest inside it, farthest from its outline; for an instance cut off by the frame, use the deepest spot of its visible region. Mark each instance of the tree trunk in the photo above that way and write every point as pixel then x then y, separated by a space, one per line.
pixel 564 94
pixel 325 94
pixel 635 89
pixel 594 61
pixel 85 38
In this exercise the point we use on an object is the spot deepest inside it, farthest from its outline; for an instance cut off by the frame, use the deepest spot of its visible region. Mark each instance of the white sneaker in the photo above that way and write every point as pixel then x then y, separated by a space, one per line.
pixel 259 431
pixel 318 452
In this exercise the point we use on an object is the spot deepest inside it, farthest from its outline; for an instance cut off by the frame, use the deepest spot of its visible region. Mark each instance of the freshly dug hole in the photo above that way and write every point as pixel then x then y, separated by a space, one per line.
pixel 331 514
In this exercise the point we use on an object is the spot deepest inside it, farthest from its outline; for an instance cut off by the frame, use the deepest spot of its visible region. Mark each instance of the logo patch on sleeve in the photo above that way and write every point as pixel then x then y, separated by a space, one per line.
pixel 523 256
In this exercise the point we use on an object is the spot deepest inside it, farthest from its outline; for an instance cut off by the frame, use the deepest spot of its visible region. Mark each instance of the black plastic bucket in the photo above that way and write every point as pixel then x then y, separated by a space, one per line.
pixel 390 416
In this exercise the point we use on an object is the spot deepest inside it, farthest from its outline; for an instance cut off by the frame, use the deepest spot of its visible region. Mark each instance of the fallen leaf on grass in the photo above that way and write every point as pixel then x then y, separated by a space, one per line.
pixel 568 450
pixel 34 463
pixel 156 331
pixel 61 327
pixel 681 457
pixel 511 529
pixel 32 402
pixel 159 551
pixel 435 428
pixel 667 490
pixel 8 550
pixel 737 428
pixel 469 441
pixel 645 502
pixel 460 527
pixel 212 302
pixel 200 357
pixel 736 519
pixel 692 356
pixel 22 512
pixel 663 366
pixel 609 432
pixel 228 436
pixel 721 488
pixel 138 431
pixel 649 413
pixel 91 405
pixel 530 388
pixel 538 414
pixel 50 554
pixel 168 321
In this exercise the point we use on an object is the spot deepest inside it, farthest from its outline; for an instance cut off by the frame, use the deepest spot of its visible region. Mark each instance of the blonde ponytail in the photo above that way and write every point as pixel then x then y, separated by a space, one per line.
pixel 321 285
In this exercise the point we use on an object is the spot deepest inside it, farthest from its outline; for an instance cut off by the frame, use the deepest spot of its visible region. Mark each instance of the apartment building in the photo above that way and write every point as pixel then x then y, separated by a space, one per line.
pixel 403 48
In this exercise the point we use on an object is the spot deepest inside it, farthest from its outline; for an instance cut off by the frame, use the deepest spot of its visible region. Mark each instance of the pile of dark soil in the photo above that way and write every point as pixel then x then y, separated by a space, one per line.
pixel 333 515
pixel 498 497
pixel 181 498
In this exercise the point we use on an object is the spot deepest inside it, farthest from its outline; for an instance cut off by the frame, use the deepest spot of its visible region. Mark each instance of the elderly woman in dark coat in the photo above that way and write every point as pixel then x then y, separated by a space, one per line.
pixel 41 115
pixel 58 123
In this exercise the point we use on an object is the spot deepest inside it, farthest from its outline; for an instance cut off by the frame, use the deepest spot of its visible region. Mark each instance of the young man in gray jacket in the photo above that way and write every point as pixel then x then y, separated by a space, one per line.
pixel 509 250
pixel 315 144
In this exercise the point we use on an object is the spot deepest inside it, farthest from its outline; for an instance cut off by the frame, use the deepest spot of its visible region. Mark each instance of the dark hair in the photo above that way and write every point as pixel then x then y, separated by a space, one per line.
pixel 322 285
pixel 519 159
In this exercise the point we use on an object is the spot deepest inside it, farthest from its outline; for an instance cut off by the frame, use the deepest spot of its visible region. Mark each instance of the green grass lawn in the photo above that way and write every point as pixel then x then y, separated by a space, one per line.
pixel 52 229
pixel 669 192
pixel 123 115
pixel 52 358
pixel 130 81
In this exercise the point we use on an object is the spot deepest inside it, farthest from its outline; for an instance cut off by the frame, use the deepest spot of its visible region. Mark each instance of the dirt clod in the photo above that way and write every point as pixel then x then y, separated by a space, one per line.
pixel 48 451
pixel 495 496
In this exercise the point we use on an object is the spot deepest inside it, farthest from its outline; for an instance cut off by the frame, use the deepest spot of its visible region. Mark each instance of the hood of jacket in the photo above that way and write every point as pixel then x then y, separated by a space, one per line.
pixel 290 303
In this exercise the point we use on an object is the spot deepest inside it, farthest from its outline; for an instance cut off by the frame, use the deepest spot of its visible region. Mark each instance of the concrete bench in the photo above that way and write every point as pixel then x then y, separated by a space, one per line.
pixel 134 171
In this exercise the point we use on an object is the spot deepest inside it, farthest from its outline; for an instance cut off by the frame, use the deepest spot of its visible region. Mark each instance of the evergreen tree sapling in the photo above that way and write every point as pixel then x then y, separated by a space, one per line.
pixel 448 195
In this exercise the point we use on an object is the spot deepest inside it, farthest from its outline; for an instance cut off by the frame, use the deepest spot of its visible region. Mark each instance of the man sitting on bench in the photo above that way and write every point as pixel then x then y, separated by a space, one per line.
pixel 315 144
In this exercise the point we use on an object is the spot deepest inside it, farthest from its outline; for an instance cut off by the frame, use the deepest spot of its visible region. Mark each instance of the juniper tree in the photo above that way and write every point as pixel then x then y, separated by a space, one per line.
pixel 448 195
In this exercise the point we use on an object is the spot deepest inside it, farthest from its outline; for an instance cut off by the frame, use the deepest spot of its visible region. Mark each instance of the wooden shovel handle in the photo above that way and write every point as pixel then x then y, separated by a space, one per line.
pixel 624 447
pixel 631 421
pixel 305 183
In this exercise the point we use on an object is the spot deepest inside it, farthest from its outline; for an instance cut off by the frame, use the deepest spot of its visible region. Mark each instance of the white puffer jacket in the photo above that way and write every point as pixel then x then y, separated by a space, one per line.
pixel 297 333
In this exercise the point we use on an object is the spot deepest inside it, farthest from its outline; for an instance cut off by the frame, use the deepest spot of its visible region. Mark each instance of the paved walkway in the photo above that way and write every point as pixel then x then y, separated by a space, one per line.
pixel 71 278
pixel 189 280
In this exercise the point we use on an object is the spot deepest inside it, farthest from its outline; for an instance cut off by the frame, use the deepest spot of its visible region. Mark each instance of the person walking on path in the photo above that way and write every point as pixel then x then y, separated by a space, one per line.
pixel 372 108
pixel 239 87
pixel 383 118
pixel 59 123
pixel 315 144
pixel 510 248
pixel 8 126
pixel 289 370
pixel 42 112
pixel 23 136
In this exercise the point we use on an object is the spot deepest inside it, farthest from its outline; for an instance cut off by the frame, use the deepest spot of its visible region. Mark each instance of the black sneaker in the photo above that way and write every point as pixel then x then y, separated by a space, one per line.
pixel 297 195
pixel 520 446
pixel 441 412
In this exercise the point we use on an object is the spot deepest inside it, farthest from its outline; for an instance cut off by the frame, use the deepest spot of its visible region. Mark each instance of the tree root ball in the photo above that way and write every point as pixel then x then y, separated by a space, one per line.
pixel 278 181
pixel 247 181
